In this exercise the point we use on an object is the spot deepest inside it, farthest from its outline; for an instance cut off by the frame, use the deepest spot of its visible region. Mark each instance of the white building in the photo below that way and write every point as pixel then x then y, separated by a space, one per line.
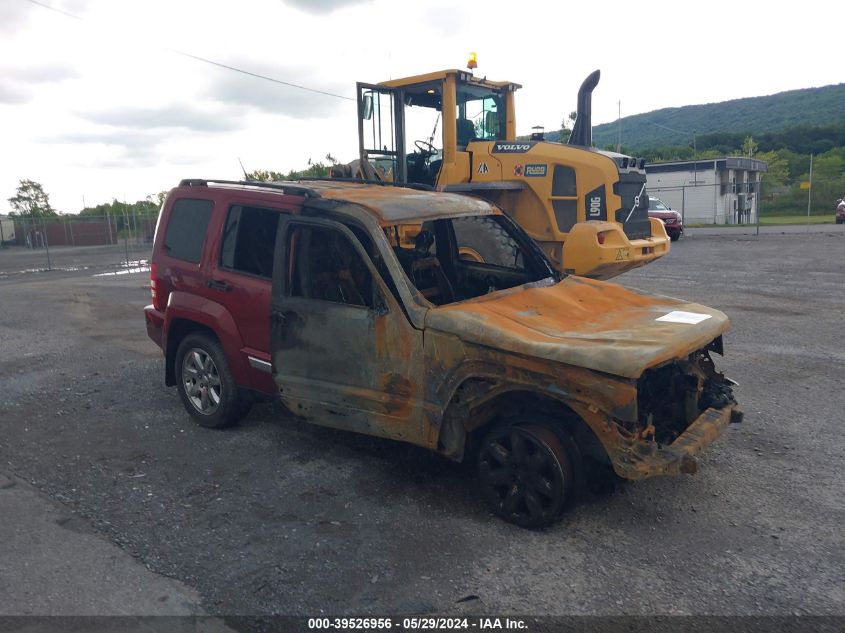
pixel 7 230
pixel 712 191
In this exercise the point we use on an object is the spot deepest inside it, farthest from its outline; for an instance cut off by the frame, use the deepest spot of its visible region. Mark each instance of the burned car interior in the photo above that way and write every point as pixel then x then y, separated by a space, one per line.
pixel 456 259
pixel 446 260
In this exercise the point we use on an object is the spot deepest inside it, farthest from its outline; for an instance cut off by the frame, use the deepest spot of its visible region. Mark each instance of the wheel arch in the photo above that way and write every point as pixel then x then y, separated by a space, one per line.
pixel 187 313
pixel 478 403
pixel 176 333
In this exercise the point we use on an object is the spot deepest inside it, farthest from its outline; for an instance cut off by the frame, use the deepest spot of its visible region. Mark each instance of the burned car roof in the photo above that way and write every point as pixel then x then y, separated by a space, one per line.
pixel 394 205
pixel 387 203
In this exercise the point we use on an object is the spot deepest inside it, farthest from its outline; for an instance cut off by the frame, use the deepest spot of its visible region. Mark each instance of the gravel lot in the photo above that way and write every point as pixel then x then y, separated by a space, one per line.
pixel 279 517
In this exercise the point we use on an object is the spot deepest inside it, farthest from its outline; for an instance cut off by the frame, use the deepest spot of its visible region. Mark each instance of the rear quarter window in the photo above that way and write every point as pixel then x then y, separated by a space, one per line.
pixel 186 229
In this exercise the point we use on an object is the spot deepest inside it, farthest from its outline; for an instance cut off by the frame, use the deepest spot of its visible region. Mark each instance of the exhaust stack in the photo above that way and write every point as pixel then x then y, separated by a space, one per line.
pixel 582 132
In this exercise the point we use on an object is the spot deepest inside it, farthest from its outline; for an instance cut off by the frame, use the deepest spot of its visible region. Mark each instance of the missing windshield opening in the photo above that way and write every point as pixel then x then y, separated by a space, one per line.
pixel 457 259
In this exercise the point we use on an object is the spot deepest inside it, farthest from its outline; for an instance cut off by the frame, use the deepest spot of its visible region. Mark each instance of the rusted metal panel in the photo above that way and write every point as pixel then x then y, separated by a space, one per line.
pixel 371 386
pixel 583 323
pixel 352 367
pixel 637 459
pixel 392 205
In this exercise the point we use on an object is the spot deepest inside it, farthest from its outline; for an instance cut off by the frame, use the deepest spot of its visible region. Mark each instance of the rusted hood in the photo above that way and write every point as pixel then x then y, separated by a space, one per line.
pixel 581 322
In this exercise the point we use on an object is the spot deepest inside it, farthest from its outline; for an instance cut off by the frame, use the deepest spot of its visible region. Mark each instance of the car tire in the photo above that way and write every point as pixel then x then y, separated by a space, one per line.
pixel 674 236
pixel 527 472
pixel 205 383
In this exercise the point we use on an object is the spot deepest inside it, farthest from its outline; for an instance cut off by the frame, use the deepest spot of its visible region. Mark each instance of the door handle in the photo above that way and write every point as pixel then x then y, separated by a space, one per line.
pixel 216 284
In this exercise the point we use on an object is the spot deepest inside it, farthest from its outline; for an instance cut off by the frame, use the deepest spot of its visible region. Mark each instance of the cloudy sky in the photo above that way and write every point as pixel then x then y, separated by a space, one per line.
pixel 100 105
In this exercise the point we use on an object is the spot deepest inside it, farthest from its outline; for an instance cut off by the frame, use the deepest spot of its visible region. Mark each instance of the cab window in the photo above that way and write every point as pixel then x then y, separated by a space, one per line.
pixel 480 115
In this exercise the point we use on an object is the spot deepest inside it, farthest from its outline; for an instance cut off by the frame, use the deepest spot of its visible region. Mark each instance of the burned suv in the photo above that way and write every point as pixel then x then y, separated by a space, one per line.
pixel 433 319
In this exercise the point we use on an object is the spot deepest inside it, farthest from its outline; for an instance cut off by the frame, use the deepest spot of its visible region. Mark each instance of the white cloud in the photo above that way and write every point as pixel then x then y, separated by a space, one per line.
pixel 12 93
pixel 183 116
pixel 78 97
pixel 323 7
pixel 276 98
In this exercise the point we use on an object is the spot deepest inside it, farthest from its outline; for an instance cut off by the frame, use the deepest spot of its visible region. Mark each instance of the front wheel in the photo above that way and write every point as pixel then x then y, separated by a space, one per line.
pixel 205 383
pixel 526 474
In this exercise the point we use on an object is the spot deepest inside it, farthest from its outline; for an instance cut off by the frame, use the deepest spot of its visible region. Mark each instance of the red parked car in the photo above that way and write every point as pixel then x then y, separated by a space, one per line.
pixel 840 212
pixel 671 218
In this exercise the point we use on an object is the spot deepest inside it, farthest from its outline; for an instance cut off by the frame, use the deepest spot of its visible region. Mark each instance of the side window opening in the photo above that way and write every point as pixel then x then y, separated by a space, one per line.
pixel 416 249
pixel 249 240
pixel 186 229
pixel 324 265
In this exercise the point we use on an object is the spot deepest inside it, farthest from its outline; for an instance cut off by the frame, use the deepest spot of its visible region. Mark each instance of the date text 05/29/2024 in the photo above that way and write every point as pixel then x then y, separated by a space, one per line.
pixel 418 624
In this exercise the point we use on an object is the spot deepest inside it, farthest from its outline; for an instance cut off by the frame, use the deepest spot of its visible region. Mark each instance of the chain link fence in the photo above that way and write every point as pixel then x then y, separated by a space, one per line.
pixel 109 243
pixel 745 203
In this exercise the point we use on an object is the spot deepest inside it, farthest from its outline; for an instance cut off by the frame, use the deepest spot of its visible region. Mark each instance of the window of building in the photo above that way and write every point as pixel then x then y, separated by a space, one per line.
pixel 186 229
pixel 324 265
pixel 249 240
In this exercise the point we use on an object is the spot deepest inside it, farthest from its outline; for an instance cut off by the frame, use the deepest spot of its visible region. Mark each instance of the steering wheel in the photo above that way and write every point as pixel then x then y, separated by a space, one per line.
pixel 425 147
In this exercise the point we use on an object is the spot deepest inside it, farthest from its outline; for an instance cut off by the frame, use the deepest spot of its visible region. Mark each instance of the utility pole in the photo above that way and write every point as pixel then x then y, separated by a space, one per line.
pixel 46 244
pixel 810 192
pixel 694 161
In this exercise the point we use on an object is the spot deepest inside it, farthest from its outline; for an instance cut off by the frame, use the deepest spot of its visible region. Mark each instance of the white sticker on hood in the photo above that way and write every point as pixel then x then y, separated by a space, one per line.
pixel 679 316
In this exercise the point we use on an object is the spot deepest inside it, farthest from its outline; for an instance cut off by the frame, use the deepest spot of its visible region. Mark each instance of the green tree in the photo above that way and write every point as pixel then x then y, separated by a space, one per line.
pixel 315 169
pixel 265 175
pixel 749 146
pixel 828 166
pixel 777 174
pixel 566 127
pixel 31 201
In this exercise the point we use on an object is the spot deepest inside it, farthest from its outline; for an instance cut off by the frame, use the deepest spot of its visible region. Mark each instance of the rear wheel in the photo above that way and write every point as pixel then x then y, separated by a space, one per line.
pixel 527 474
pixel 205 383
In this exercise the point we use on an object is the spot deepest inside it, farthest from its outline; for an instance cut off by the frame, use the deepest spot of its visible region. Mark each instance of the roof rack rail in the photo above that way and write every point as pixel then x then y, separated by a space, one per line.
pixel 369 181
pixel 291 189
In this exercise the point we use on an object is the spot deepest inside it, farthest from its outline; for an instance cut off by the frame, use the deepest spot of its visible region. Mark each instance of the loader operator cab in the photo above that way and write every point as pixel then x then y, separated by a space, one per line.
pixel 409 127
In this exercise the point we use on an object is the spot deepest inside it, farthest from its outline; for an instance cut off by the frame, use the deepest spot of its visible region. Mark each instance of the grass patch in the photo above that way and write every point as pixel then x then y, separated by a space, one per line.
pixel 771 220
pixel 795 219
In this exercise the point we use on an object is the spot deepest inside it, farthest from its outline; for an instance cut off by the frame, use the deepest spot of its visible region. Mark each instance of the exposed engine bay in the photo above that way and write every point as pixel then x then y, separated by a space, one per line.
pixel 671 397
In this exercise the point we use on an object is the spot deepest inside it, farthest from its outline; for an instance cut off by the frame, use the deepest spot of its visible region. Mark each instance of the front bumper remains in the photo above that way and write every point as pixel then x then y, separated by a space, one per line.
pixel 642 459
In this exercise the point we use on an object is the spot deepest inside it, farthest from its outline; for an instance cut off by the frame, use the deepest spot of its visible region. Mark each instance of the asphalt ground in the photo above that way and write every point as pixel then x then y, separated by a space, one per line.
pixel 279 517
pixel 734 230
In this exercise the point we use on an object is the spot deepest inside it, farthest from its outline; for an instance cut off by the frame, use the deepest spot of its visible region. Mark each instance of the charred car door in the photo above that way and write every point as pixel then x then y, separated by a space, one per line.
pixel 343 352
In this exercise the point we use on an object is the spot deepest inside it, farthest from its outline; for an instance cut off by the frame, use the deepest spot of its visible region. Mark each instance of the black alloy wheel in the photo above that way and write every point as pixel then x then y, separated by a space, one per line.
pixel 526 474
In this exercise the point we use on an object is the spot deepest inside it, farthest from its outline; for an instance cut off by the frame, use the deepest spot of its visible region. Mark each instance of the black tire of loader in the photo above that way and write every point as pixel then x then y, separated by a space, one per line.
pixel 493 243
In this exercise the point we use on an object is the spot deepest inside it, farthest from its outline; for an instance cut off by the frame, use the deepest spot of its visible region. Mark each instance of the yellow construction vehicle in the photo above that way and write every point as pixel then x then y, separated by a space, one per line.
pixel 586 207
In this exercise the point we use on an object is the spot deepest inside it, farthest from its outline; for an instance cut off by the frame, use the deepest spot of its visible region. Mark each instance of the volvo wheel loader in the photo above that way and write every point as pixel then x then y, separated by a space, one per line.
pixel 586 207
